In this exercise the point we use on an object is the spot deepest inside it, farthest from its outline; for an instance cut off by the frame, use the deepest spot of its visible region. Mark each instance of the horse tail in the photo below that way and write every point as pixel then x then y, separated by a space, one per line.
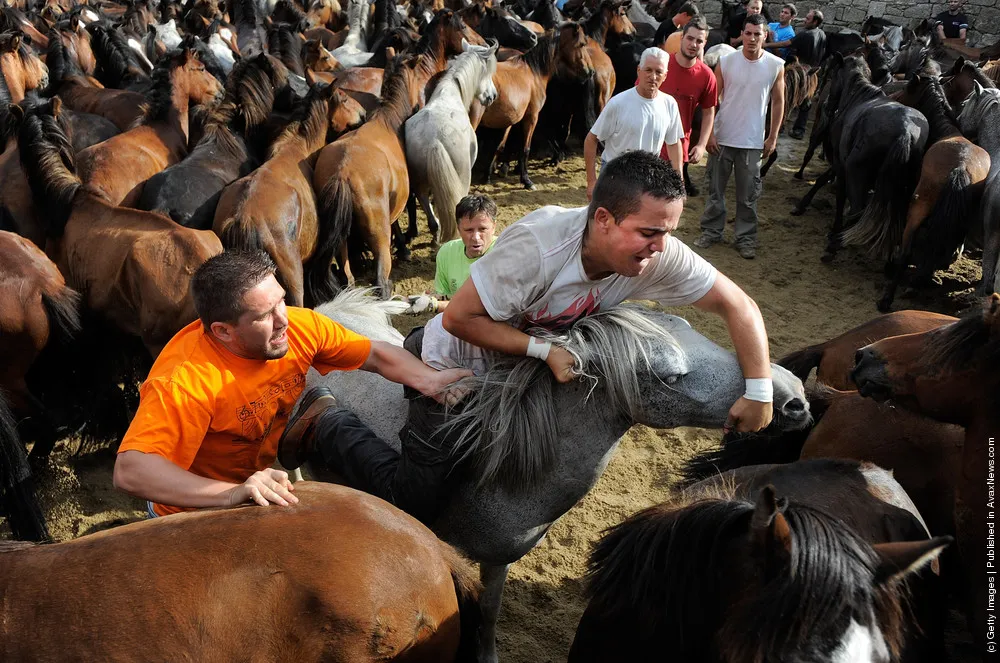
pixel 17 489
pixel 802 362
pixel 591 100
pixel 765 447
pixel 48 160
pixel 944 229
pixel 62 308
pixel 467 591
pixel 335 211
pixel 883 219
pixel 446 190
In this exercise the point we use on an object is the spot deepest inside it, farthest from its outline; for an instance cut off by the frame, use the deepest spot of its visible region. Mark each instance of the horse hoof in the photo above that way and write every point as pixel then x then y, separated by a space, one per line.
pixel 529 185
pixel 797 176
pixel 828 256
pixel 798 211
pixel 403 254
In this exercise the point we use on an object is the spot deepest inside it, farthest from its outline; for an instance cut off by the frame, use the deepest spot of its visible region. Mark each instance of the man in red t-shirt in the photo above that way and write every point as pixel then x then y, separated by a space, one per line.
pixel 692 84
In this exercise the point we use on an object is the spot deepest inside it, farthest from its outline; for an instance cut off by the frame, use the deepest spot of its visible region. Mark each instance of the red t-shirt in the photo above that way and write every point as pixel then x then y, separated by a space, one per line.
pixel 690 88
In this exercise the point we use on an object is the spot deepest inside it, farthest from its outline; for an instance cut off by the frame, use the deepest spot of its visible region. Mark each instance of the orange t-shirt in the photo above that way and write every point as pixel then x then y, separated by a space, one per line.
pixel 218 415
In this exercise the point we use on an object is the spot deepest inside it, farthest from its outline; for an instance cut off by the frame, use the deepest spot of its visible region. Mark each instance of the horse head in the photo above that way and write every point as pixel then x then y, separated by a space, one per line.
pixel 189 72
pixel 975 109
pixel 22 68
pixel 486 91
pixel 944 373
pixel 573 59
pixel 506 30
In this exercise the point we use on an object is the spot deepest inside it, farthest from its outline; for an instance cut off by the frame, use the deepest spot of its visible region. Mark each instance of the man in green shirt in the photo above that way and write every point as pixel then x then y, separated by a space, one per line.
pixel 476 216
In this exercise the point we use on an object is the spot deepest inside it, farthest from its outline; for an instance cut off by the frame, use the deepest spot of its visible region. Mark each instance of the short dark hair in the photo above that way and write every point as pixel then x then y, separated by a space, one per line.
pixel 817 16
pixel 218 286
pixel 696 23
pixel 689 8
pixel 755 19
pixel 473 204
pixel 790 7
pixel 625 179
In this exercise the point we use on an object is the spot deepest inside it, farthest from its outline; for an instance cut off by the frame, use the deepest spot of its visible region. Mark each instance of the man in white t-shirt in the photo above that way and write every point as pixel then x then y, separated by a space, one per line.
pixel 748 80
pixel 548 270
pixel 642 118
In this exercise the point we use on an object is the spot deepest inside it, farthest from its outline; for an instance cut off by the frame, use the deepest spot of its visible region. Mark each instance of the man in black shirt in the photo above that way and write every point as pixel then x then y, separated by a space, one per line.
pixel 952 24
pixel 809 46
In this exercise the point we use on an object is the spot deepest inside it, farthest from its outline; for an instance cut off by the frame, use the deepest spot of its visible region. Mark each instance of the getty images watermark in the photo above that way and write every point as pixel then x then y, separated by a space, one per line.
pixel 991 560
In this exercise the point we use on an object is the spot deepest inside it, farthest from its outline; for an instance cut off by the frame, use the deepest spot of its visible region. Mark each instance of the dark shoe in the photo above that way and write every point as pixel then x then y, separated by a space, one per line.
pixel 706 240
pixel 797 134
pixel 747 251
pixel 296 443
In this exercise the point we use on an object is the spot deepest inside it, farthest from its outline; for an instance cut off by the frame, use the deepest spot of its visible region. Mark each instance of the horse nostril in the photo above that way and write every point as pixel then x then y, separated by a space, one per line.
pixel 795 406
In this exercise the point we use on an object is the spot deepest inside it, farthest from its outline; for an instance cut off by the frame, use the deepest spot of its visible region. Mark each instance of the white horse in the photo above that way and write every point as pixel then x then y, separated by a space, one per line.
pixel 440 141
pixel 534 448
pixel 354 52
pixel 714 54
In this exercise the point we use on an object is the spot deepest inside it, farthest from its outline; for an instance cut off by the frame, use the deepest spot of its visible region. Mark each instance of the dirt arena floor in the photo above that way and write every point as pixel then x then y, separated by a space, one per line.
pixel 803 301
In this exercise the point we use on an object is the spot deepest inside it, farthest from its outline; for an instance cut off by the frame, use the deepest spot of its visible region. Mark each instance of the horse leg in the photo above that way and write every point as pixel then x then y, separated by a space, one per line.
pixel 814 141
pixel 770 162
pixel 529 131
pixel 991 255
pixel 833 240
pixel 383 257
pixel 498 155
pixel 432 222
pixel 344 260
pixel 411 214
pixel 821 182
pixel 900 260
pixel 493 578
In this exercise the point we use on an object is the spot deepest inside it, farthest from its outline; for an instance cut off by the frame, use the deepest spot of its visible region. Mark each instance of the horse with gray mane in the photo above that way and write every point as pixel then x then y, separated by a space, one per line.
pixel 980 120
pixel 531 448
pixel 798 562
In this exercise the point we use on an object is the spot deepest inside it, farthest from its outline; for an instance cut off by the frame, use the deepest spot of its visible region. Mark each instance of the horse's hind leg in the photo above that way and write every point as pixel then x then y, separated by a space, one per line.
pixel 432 222
pixel 833 239
pixel 529 131
pixel 770 162
pixel 411 214
pixel 383 257
pixel 493 579
pixel 821 182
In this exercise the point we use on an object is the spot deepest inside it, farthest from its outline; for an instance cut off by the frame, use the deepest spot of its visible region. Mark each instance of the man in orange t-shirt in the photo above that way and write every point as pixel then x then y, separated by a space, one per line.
pixel 221 391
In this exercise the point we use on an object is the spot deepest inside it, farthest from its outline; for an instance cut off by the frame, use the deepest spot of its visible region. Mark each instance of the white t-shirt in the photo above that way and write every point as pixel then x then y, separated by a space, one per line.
pixel 746 89
pixel 632 122
pixel 533 277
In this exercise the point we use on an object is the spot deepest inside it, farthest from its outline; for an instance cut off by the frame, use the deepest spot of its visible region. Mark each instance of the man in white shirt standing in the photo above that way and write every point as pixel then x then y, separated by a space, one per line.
pixel 642 118
pixel 748 80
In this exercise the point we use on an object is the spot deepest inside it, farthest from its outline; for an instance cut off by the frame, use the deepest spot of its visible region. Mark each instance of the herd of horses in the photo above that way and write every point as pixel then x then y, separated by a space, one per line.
pixel 142 138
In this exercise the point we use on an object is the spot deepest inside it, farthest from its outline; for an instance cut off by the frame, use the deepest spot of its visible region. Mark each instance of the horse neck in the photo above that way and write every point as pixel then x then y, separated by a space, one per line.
pixel 176 119
pixel 14 84
pixel 432 54
pixel 989 134
pixel 941 125
pixel 597 27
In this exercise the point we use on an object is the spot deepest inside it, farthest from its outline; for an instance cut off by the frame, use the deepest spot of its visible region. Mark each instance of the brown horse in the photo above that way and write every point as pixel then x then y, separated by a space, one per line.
pixel 953 375
pixel 801 86
pixel 800 562
pixel 274 207
pixel 343 577
pixel 522 82
pixel 326 13
pixel 119 166
pixel 607 26
pixel 38 308
pixel 834 359
pixel 952 176
pixel 362 183
pixel 21 69
pixel 959 83
pixel 132 268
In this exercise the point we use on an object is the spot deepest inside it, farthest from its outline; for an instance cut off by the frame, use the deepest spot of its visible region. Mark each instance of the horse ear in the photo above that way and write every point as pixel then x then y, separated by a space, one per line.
pixel 12 44
pixel 770 528
pixel 465 45
pixel 978 88
pixel 57 105
pixel 959 63
pixel 74 23
pixel 390 53
pixel 900 559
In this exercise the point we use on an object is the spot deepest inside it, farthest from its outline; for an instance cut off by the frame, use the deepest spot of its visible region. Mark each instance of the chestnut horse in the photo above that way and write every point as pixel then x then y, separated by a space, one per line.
pixel 21 69
pixel 118 167
pixel 274 207
pixel 37 307
pixel 952 374
pixel 800 562
pixel 522 83
pixel 834 359
pixel 362 183
pixel 952 175
pixel 343 576
pixel 132 268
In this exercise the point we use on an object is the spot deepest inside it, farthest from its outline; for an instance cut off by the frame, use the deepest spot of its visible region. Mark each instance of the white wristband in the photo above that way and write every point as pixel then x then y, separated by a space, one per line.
pixel 760 390
pixel 538 348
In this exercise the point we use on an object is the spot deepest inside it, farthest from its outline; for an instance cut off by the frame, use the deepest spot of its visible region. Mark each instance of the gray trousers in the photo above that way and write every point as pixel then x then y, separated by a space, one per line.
pixel 746 163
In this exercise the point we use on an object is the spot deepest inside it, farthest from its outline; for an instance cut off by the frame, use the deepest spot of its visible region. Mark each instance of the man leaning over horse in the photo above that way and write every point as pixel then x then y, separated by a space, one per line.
pixel 217 398
pixel 544 272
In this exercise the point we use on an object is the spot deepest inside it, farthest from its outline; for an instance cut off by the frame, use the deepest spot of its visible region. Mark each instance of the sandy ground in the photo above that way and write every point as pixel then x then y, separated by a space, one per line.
pixel 803 301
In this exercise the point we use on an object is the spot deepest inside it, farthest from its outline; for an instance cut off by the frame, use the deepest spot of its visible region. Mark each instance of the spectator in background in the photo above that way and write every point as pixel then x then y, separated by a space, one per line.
pixel 747 80
pixel 952 23
pixel 476 214
pixel 808 46
pixel 692 84
pixel 736 23
pixel 642 118
pixel 782 31
pixel 668 35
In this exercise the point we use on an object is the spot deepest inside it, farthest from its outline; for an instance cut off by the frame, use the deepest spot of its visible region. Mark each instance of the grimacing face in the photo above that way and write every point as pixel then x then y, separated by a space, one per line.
pixel 477 233
pixel 261 332
pixel 638 237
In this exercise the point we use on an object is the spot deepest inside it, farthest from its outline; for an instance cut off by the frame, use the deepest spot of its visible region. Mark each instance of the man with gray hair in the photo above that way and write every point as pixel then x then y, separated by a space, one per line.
pixel 642 118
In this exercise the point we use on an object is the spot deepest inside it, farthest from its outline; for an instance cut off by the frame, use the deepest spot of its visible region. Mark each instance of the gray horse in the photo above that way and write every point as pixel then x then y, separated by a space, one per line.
pixel 539 446
pixel 980 120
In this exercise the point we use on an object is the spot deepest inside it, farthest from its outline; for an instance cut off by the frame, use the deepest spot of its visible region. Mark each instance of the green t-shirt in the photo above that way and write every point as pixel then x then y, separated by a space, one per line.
pixel 453 267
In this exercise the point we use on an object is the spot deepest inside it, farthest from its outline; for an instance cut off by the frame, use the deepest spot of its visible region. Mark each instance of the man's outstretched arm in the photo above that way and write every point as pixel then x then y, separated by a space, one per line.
pixel 397 365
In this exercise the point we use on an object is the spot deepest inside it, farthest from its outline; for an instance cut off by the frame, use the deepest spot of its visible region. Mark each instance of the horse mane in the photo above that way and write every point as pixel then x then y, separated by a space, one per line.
pixel 465 71
pixel 660 570
pixel 597 23
pixel 284 43
pixel 5 97
pixel 245 106
pixel 59 65
pixel 301 22
pixel 205 54
pixel 931 101
pixel 429 41
pixel 245 12
pixel 542 55
pixel 978 75
pixel 858 87
pixel 401 39
pixel 976 109
pixel 11 19
pixel 385 17
pixel 508 424
pixel 361 303
pixel 309 120
pixel 967 342
pixel 112 55
pixel 395 109
pixel 160 95
pixel 47 158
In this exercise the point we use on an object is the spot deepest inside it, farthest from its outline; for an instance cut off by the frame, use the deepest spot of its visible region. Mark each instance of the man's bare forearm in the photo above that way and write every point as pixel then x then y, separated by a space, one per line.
pixel 707 126
pixel 154 478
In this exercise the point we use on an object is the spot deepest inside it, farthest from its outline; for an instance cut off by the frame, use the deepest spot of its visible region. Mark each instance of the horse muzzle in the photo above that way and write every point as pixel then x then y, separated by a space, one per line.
pixel 870 375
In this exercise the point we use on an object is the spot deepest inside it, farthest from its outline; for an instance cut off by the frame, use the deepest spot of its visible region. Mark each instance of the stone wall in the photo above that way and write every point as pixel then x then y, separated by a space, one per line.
pixel 984 15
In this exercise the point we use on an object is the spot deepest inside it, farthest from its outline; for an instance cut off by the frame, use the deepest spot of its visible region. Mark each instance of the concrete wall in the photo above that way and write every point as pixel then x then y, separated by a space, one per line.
pixel 984 15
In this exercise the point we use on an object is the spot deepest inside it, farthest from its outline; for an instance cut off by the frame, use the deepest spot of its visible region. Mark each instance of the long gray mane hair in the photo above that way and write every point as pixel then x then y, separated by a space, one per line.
pixel 976 108
pixel 509 427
